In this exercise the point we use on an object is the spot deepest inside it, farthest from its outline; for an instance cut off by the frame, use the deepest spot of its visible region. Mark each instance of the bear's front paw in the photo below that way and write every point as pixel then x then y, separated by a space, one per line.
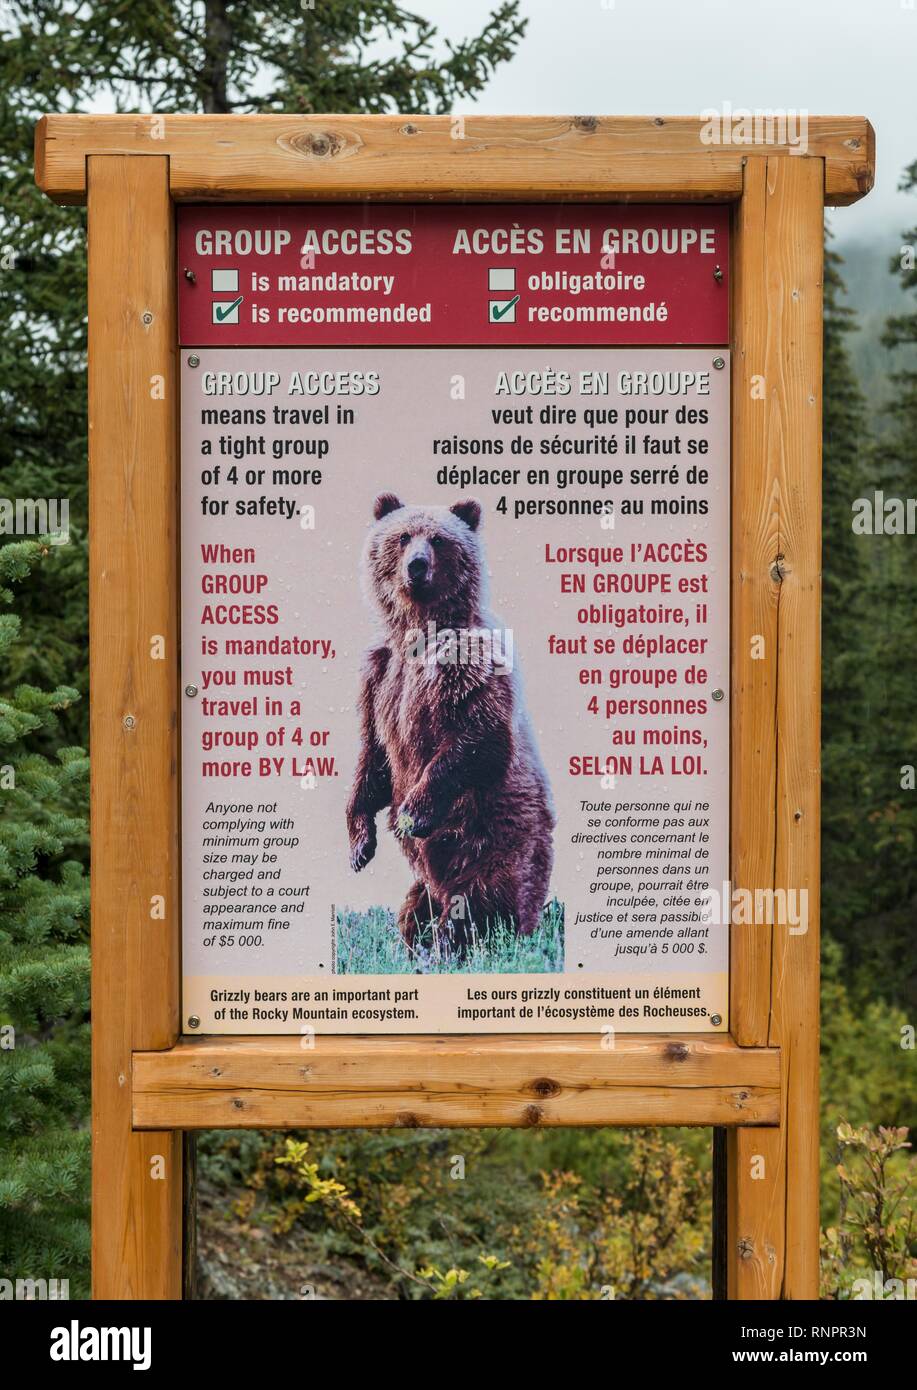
pixel 416 818
pixel 362 849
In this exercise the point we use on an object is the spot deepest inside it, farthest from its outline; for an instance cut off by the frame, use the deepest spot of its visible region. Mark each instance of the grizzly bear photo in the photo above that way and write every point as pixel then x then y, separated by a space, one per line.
pixel 446 743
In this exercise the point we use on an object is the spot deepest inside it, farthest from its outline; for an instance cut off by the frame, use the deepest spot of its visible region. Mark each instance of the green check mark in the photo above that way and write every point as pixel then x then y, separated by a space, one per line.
pixel 224 313
pixel 500 311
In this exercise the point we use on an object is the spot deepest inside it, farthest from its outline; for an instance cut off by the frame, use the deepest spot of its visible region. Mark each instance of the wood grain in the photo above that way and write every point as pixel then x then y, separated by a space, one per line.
pixel 773 1175
pixel 480 158
pixel 766 1090
pixel 756 429
pixel 414 1081
pixel 798 271
pixel 134 809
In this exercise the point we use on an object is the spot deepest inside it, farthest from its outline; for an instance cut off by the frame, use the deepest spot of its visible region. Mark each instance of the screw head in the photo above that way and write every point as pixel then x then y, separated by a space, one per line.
pixel 146 317
pixel 719 695
pixel 194 1021
pixel 719 363
pixel 718 274
pixel 191 691
pixel 716 1020
pixel 194 360
pixel 129 721
pixel 190 275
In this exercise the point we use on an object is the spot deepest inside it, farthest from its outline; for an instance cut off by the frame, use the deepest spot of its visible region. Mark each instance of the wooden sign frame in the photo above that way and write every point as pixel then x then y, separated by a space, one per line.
pixel 760 1084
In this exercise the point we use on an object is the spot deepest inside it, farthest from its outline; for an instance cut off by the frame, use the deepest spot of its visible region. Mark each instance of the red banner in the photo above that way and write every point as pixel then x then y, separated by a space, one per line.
pixel 487 275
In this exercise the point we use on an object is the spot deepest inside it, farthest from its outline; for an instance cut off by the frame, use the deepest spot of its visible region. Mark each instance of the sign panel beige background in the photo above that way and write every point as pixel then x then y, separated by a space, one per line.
pixel 262 950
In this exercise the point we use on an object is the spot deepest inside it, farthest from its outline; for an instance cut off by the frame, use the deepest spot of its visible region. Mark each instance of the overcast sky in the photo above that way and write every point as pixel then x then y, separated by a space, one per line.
pixel 676 57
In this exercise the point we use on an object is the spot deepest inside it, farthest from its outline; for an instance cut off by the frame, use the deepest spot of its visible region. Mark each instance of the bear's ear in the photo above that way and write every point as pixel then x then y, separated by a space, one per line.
pixel 386 502
pixel 468 511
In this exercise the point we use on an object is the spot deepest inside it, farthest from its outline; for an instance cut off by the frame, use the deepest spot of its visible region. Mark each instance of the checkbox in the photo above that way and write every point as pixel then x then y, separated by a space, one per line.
pixel 502 310
pixel 226 310
pixel 501 278
pixel 226 281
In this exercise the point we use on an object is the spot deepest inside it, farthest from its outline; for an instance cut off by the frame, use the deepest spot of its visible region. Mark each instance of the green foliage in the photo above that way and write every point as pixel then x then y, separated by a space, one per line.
pixel 44 971
pixel 229 55
pixel 872 1252
pixel 462 1214
pixel 844 761
pixel 369 943
pixel 864 1042
pixel 870 652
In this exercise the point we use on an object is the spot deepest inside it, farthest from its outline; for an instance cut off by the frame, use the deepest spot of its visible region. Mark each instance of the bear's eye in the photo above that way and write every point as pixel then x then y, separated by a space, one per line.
pixel 436 542
pixel 405 537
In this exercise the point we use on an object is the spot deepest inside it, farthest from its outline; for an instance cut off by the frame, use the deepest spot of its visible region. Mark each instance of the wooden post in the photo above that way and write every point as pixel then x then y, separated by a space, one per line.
pixel 760 1086
pixel 772 1249
pixel 137 1178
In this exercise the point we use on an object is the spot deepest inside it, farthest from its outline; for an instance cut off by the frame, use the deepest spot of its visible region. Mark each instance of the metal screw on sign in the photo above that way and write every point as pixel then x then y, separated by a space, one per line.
pixel 129 721
pixel 146 317
pixel 190 275
pixel 716 1020
pixel 191 691
pixel 718 695
pixel 719 363
pixel 194 1021
pixel 717 274
pixel 194 360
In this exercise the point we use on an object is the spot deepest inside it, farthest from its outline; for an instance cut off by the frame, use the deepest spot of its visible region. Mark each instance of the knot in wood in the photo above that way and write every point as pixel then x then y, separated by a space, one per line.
pixel 677 1052
pixel 322 144
pixel 531 1115
pixel 587 123
pixel 544 1086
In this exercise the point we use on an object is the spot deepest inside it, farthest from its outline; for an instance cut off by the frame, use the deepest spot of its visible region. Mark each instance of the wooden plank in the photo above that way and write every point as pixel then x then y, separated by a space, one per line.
pixel 265 1109
pixel 774 1174
pixel 755 593
pixel 523 158
pixel 134 806
pixel 798 271
pixel 755 1204
pixel 522 1081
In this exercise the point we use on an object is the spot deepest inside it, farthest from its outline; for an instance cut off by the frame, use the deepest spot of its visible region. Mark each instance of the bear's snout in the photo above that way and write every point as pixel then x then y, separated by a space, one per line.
pixel 418 565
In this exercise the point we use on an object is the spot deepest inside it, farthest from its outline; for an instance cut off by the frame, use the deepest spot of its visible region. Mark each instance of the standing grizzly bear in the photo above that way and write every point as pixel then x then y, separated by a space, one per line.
pixel 446 742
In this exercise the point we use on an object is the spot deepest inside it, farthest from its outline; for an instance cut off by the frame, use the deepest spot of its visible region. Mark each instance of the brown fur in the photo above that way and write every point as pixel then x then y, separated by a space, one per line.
pixel 447 747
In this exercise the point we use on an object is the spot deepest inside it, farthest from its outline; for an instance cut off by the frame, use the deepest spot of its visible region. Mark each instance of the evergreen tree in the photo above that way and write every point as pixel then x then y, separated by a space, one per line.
pixel 219 56
pixel 845 621
pixel 44 1042
pixel 870 654
pixel 888 945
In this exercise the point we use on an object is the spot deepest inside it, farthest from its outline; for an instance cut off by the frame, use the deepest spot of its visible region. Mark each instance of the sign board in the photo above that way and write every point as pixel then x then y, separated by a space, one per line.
pixel 455 618
pixel 510 424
